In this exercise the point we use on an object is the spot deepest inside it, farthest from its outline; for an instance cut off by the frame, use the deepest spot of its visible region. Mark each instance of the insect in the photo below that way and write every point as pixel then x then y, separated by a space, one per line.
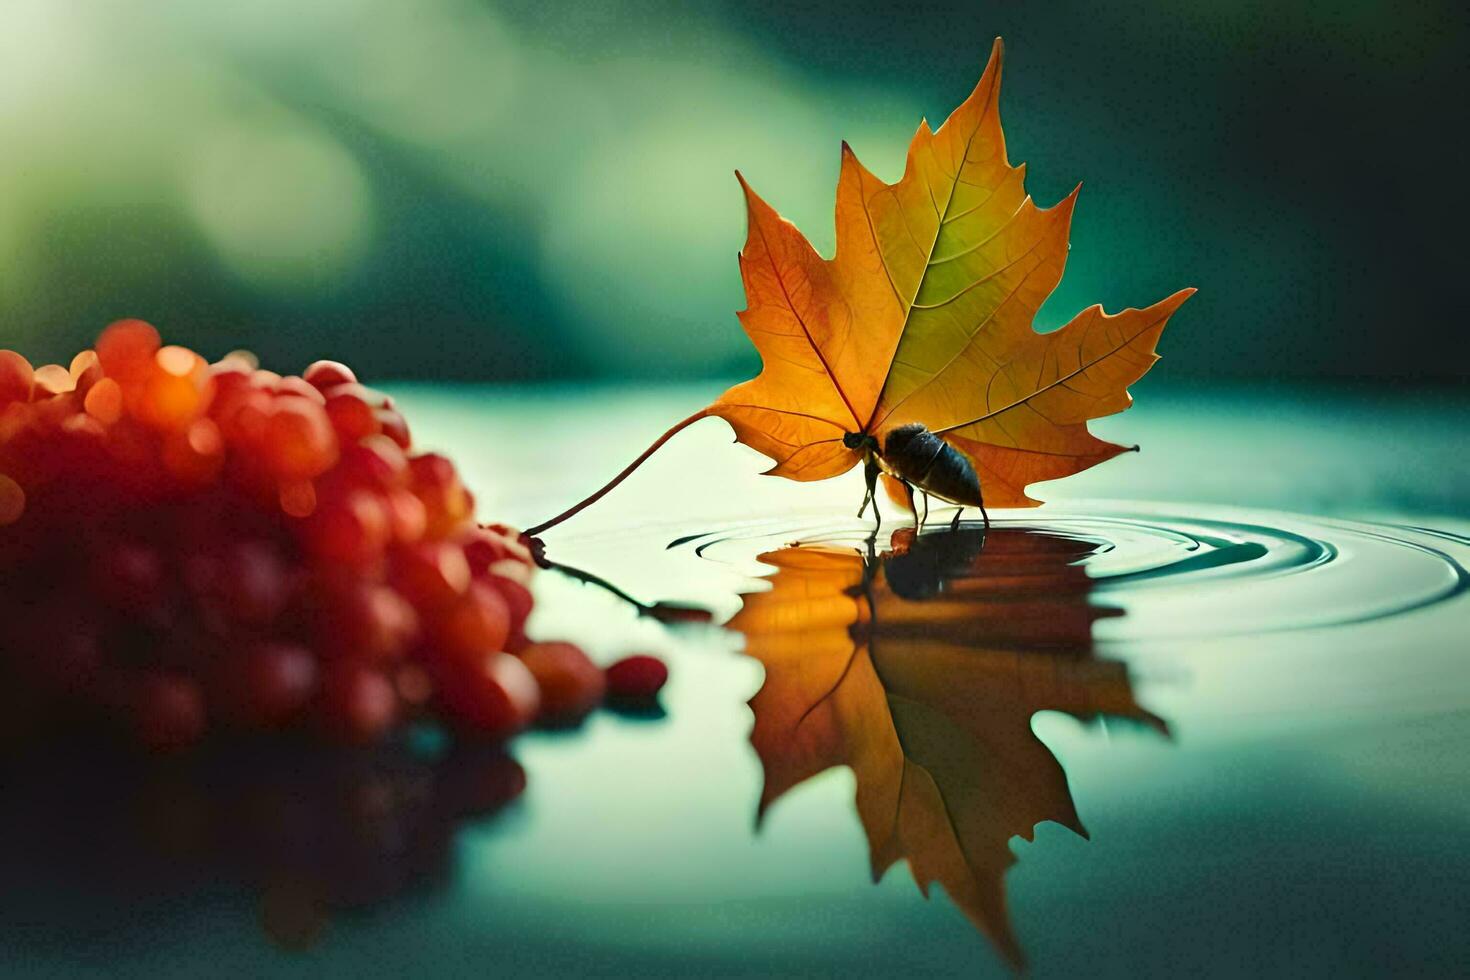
pixel 917 458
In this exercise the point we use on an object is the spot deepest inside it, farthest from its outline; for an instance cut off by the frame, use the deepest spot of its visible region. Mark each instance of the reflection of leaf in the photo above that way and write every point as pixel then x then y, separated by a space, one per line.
pixel 921 671
pixel 924 315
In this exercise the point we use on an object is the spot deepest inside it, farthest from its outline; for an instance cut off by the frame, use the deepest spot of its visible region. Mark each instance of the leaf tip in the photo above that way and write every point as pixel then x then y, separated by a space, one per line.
pixel 1172 303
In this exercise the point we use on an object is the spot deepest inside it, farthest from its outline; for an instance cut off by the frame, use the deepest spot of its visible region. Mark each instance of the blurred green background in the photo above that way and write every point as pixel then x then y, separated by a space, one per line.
pixel 449 188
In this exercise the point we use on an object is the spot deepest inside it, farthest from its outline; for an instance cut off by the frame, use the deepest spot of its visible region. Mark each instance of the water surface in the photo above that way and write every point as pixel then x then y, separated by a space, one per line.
pixel 1235 662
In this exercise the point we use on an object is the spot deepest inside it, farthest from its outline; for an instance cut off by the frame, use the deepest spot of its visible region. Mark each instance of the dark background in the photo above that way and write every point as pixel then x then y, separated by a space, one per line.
pixel 526 190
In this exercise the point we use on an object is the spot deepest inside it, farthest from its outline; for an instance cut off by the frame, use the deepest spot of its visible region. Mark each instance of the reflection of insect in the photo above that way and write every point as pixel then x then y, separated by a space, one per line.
pixel 917 458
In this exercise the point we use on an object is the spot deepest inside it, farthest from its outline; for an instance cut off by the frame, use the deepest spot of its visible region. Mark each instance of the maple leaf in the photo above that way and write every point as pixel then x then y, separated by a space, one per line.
pixel 912 349
pixel 924 316
pixel 921 669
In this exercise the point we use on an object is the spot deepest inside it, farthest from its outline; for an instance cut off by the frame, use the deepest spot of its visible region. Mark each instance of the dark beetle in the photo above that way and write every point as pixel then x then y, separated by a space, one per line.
pixel 918 458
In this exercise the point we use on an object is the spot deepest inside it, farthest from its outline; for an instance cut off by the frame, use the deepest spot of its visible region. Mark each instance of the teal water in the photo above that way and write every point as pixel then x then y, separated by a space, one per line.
pixel 1289 570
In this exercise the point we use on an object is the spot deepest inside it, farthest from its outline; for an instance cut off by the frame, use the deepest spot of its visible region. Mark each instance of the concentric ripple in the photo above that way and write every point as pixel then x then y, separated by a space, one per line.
pixel 1214 572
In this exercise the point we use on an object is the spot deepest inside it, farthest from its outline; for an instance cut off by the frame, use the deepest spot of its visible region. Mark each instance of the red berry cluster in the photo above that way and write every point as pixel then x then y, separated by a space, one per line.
pixel 189 546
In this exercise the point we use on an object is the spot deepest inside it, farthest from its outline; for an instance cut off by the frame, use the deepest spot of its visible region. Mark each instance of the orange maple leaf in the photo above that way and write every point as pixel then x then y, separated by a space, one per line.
pixel 923 316
pixel 912 349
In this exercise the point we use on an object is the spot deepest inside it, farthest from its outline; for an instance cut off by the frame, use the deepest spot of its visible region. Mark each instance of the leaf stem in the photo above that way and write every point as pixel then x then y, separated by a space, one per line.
pixel 627 471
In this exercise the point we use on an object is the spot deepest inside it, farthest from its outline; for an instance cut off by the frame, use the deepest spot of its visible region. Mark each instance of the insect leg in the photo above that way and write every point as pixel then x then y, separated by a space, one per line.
pixel 926 509
pixel 870 474
pixel 954 525
pixel 908 489
pixel 980 493
pixel 871 477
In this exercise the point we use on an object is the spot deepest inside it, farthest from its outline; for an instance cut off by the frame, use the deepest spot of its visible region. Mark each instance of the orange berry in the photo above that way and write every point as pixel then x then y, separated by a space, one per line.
pixel 195 455
pixel 83 425
pixel 448 505
pixel 86 370
pixel 52 379
pixel 104 402
pixel 16 377
pixel 406 515
pixel 126 349
pixel 299 441
pixel 237 360
pixel 173 391
pixel 298 498
pixel 571 684
pixel 244 415
pixel 477 622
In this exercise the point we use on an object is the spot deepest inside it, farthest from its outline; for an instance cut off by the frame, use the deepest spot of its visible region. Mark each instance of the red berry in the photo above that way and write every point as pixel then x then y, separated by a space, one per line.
pixel 267 686
pixel 637 677
pixel 394 427
pixel 571 684
pixel 375 463
pixel 353 530
pixel 519 600
pixel 368 396
pixel 366 621
pixel 256 583
pixel 298 387
pixel 431 574
pixel 358 703
pixel 220 518
pixel 406 515
pixel 193 456
pixel 494 694
pixel 169 713
pixel 352 417
pixel 328 374
pixel 12 501
pixel 485 546
pixel 128 576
